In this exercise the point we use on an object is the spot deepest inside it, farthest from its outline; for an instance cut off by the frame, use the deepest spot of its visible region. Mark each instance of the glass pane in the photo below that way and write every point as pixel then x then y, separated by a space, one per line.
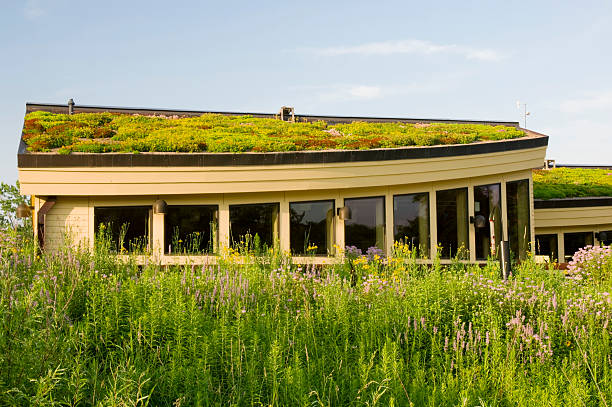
pixel 311 227
pixel 519 218
pixel 411 221
pixel 125 227
pixel 576 241
pixel 547 245
pixel 190 229
pixel 259 220
pixel 452 217
pixel 366 227
pixel 487 204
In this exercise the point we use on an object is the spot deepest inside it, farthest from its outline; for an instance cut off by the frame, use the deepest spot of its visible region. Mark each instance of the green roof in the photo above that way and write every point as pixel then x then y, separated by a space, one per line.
pixel 112 132
pixel 572 183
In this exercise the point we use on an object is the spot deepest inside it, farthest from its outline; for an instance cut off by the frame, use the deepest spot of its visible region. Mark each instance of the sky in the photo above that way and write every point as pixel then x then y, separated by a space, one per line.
pixel 457 60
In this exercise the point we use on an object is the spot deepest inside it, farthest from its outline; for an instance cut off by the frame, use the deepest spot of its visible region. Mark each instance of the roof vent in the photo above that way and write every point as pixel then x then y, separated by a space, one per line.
pixel 287 114
pixel 70 106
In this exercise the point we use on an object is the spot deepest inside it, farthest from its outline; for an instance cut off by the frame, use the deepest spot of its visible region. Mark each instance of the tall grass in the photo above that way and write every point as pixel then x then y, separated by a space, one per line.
pixel 80 328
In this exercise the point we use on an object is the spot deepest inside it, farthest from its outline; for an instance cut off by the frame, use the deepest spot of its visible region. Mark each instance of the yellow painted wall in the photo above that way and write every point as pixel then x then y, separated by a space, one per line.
pixel 69 217
pixel 559 221
pixel 79 190
pixel 564 217
pixel 99 181
pixel 75 215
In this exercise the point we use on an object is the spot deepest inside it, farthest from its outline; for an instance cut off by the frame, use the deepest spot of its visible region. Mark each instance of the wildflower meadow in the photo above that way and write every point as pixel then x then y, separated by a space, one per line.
pixel 82 328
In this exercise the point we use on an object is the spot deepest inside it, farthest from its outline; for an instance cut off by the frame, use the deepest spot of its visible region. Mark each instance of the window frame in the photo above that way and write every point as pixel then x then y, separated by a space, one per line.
pixel 554 254
pixel 215 246
pixel 332 237
pixel 384 224
pixel 466 243
pixel 148 229
pixel 427 244
pixel 276 229
pixel 567 256
pixel 501 218
pixel 515 245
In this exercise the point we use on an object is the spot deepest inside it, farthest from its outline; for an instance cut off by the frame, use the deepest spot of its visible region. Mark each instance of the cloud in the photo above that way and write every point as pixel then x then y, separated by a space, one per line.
pixel 409 47
pixel 594 101
pixel 32 10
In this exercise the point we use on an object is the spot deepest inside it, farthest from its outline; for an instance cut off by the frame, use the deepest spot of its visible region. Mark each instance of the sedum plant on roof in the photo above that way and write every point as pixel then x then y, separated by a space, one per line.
pixel 571 183
pixel 107 132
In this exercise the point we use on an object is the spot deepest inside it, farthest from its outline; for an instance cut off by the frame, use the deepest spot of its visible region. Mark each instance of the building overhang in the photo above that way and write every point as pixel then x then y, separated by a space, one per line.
pixel 583 202
pixel 573 212
pixel 118 177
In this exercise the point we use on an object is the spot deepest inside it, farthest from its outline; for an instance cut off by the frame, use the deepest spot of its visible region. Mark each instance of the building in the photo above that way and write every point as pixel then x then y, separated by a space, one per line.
pixel 576 214
pixel 460 192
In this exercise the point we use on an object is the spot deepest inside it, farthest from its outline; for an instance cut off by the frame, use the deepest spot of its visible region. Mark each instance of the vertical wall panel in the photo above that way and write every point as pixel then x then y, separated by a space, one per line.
pixel 68 220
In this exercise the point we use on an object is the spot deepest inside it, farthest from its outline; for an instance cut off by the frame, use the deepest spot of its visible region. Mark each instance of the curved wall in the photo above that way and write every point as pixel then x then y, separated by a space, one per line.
pixel 80 183
pixel 168 180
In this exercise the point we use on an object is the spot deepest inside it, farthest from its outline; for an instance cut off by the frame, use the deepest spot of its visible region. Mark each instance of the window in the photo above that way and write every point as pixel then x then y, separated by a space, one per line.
pixel 123 228
pixel 258 221
pixel 547 245
pixel 452 216
pixel 487 204
pixel 411 221
pixel 311 227
pixel 366 226
pixel 576 241
pixel 519 217
pixel 190 229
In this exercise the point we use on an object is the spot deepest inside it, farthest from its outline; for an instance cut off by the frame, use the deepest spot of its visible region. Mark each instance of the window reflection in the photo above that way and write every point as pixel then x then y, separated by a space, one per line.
pixel 487 204
pixel 452 217
pixel 258 221
pixel 190 229
pixel 366 227
pixel 519 218
pixel 411 221
pixel 311 227
pixel 125 228
pixel 576 241
pixel 547 245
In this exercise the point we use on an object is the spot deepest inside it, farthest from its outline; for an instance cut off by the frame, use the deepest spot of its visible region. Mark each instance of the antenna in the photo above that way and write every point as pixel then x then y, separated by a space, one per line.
pixel 525 113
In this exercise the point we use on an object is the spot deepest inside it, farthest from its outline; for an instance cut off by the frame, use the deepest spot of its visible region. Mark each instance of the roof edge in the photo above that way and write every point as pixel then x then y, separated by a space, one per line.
pixel 585 166
pixel 63 108
pixel 580 202
pixel 53 160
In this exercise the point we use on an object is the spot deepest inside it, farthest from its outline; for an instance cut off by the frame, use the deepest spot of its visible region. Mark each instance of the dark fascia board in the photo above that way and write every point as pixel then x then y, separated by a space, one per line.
pixel 52 160
pixel 23 148
pixel 26 159
pixel 62 108
pixel 585 166
pixel 583 202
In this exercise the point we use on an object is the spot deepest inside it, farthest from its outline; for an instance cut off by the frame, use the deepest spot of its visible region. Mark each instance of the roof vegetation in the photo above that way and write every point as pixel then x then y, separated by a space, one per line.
pixel 571 183
pixel 111 132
